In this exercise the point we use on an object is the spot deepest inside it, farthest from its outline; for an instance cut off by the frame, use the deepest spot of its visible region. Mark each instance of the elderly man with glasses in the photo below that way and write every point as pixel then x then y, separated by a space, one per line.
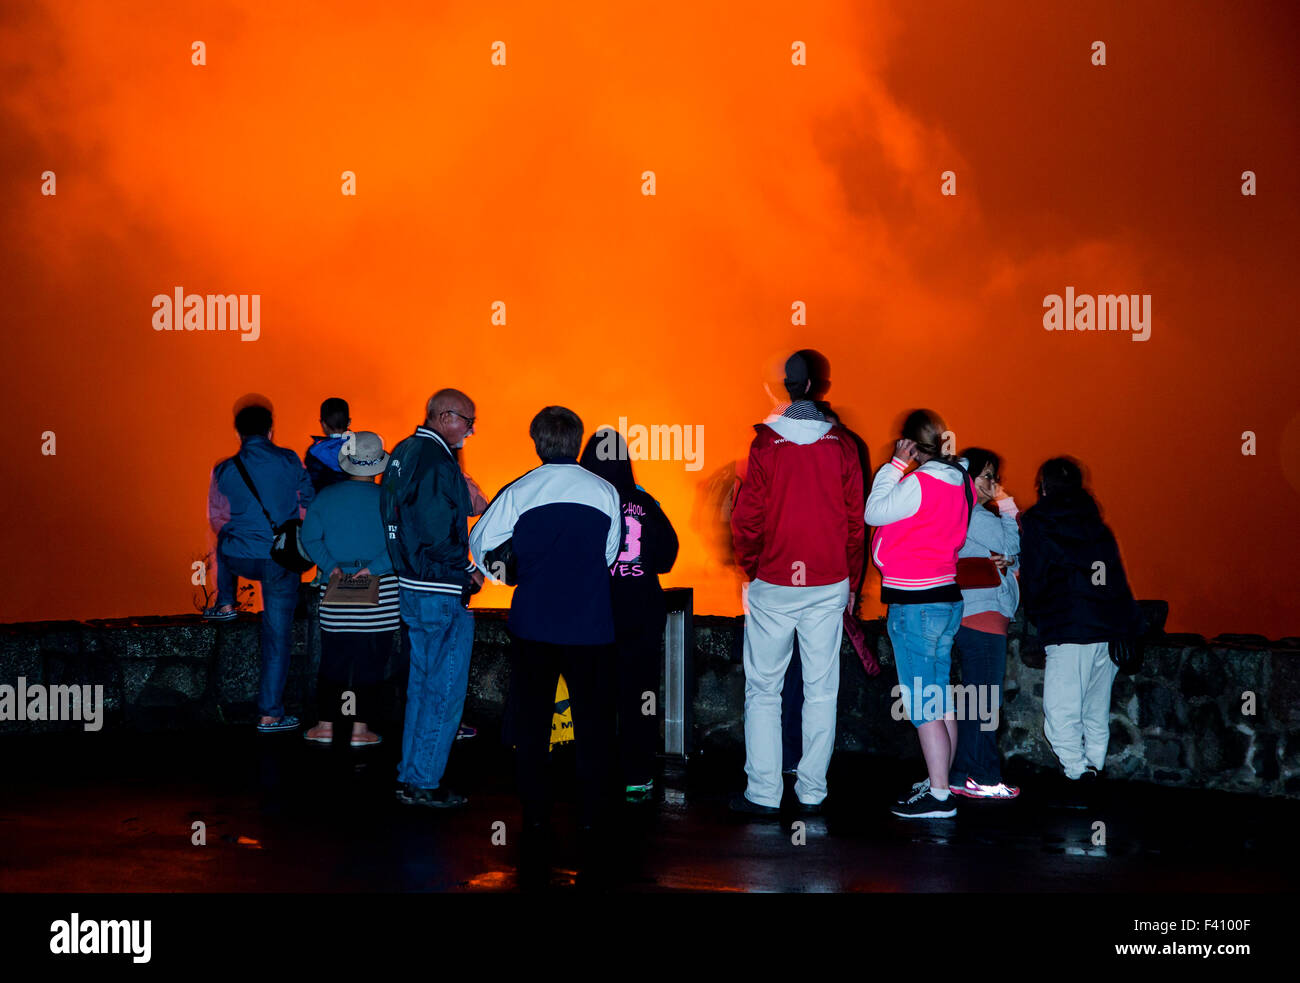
pixel 426 506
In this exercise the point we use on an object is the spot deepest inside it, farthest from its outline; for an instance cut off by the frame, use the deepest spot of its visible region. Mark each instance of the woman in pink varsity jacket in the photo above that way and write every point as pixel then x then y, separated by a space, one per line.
pixel 921 518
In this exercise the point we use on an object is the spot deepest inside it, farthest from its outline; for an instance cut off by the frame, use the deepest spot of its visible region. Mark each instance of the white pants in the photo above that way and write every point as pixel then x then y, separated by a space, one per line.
pixel 1076 704
pixel 775 613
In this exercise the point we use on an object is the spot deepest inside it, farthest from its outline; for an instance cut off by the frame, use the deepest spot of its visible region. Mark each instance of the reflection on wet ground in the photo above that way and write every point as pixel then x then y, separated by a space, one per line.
pixel 117 813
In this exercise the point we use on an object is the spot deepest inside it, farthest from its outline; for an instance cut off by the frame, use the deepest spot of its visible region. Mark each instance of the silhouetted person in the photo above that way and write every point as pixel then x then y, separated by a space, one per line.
pixel 1077 595
pixel 244 540
pixel 649 548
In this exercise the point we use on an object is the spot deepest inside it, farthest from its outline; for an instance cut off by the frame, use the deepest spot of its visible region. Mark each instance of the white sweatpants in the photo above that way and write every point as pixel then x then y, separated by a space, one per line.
pixel 1076 704
pixel 775 613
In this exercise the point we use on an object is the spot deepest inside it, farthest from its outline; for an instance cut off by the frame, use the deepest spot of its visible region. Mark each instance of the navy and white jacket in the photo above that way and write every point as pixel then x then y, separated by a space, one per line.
pixel 566 527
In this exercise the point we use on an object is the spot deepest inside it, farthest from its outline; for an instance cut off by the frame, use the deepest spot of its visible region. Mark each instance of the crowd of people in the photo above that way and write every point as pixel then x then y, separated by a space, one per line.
pixel 584 545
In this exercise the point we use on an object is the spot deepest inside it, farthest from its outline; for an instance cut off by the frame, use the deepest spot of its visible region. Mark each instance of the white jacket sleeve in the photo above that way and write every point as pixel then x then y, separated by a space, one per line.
pixel 892 496
pixel 493 528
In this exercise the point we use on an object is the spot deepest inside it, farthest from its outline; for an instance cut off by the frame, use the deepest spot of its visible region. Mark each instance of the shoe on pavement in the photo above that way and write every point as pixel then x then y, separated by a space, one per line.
pixel 432 798
pixel 287 722
pixel 923 805
pixel 741 803
pixel 974 790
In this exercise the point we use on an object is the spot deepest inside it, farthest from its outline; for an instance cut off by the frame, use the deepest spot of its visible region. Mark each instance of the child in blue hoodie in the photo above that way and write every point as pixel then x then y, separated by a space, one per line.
pixel 322 457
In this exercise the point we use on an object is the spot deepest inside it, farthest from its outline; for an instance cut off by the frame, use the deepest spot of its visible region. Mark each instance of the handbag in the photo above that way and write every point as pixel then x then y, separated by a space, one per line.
pixel 286 538
pixel 1127 654
pixel 345 589
pixel 975 572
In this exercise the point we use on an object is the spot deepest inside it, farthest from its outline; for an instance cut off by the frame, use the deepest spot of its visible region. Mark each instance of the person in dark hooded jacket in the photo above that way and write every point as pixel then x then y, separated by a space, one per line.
pixel 649 548
pixel 1077 596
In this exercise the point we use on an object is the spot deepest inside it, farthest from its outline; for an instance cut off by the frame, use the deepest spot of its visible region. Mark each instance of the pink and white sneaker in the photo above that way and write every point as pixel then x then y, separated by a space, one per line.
pixel 974 790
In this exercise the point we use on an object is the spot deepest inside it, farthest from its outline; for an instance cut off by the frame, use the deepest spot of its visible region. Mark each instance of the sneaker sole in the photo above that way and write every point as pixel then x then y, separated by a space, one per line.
pixel 947 814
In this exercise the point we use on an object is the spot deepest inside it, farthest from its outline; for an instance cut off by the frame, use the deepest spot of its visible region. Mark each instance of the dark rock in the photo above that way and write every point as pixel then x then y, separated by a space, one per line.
pixel 1121 693
pixel 1159 706
pixel 1234 640
pixel 1264 757
pixel 1162 661
pixel 1219 746
pixel 1120 738
pixel 1163 752
pixel 1283 697
pixel 1204 674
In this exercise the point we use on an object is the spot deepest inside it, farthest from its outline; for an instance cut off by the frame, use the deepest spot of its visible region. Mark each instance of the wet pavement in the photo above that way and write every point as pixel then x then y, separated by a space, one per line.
pixel 115 813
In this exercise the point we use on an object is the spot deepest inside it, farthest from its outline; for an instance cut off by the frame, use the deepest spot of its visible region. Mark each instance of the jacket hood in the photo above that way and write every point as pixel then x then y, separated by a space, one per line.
pixel 606 456
pixel 798 431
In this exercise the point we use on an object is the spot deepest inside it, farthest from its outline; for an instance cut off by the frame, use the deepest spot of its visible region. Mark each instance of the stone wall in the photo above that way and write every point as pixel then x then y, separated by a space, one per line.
pixel 1180 721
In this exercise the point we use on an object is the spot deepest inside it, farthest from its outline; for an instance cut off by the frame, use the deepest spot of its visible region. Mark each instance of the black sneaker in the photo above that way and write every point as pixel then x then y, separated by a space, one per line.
pixel 923 805
pixel 742 804
pixel 433 798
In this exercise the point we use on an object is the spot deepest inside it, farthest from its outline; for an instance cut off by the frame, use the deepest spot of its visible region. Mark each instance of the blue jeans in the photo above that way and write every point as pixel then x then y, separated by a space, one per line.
pixel 441 630
pixel 922 636
pixel 279 600
pixel 983 663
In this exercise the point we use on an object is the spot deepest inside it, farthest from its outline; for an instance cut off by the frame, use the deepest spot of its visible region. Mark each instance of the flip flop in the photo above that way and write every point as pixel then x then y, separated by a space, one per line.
pixel 317 740
pixel 380 740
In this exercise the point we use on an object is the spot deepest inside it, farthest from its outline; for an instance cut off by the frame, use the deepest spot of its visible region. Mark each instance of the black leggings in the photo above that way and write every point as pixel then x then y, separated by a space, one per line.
pixel 638 673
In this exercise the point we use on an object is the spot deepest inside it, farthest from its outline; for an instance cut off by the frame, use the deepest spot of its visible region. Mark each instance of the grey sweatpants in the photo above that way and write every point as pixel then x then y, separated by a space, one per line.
pixel 1076 704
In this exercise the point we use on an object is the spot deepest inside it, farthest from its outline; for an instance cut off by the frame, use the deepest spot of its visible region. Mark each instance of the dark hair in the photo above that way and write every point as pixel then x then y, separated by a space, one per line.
pixel 606 456
pixel 1060 476
pixel 979 458
pixel 253 421
pixel 804 367
pixel 915 428
pixel 556 432
pixel 334 413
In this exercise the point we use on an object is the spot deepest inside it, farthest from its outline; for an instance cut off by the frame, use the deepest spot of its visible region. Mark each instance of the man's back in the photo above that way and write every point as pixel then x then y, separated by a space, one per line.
pixel 798 515
pixel 565 527
pixel 282 485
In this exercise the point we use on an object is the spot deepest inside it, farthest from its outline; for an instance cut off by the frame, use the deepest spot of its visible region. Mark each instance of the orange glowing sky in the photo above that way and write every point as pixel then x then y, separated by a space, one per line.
pixel 775 183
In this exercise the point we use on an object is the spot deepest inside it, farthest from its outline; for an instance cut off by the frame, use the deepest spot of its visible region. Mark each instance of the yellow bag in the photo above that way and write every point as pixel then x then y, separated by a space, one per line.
pixel 562 721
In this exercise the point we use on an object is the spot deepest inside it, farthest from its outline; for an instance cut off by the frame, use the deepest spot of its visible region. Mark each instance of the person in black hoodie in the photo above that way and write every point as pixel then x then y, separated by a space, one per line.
pixel 1078 597
pixel 649 548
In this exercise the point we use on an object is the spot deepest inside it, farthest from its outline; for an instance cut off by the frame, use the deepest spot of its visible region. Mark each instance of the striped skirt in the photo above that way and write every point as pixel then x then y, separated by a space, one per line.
pixel 385 616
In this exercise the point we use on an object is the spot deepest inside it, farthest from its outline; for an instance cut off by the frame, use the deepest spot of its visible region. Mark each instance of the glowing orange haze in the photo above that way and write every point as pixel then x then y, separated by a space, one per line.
pixel 775 184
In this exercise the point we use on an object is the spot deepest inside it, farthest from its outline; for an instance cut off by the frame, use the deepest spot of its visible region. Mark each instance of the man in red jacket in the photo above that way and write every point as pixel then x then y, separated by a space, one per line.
pixel 797 531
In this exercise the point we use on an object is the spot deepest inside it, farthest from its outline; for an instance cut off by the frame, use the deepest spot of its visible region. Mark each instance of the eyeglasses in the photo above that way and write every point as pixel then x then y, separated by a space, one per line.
pixel 467 419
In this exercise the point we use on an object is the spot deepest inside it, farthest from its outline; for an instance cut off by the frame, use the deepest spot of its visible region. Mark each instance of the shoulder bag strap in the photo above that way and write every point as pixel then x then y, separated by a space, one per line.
pixel 248 480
